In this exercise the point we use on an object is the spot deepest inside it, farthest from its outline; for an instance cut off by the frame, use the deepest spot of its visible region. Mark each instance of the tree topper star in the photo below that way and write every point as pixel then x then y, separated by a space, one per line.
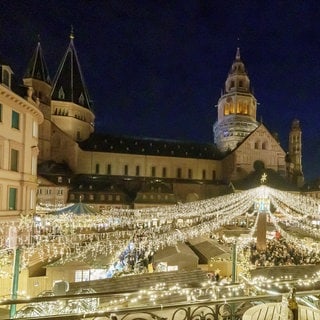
pixel 263 178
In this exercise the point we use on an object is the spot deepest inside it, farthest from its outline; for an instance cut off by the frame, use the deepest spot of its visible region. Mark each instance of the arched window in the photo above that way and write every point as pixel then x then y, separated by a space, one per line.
pixel 226 109
pixel 265 145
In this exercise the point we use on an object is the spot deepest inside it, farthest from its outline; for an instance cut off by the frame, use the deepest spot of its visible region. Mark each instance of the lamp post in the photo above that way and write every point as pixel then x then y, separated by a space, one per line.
pixel 234 262
pixel 234 274
pixel 16 268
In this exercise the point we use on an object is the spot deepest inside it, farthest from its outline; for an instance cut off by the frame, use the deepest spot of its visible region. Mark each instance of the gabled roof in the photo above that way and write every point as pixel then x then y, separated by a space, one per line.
pixel 207 248
pixel 260 128
pixel 68 84
pixel 180 249
pixel 256 131
pixel 44 182
pixel 150 146
pixel 37 68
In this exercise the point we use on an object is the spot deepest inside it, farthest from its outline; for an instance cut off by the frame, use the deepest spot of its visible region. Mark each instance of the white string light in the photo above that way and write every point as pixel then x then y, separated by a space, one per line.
pixel 70 235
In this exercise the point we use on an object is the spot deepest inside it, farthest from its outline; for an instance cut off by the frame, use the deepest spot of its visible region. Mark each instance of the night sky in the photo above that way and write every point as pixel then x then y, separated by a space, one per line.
pixel 156 68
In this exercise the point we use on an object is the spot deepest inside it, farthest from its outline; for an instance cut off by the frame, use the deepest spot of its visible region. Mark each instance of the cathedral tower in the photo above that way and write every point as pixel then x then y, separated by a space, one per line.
pixel 237 108
pixel 37 77
pixel 295 153
pixel 71 109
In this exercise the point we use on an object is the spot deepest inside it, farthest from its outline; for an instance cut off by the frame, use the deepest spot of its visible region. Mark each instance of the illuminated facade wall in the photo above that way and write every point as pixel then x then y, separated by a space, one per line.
pixel 19 122
pixel 69 121
pixel 259 146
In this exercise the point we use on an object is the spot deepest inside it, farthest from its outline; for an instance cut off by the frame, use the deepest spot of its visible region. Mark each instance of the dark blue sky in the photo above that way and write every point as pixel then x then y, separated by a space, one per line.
pixel 156 68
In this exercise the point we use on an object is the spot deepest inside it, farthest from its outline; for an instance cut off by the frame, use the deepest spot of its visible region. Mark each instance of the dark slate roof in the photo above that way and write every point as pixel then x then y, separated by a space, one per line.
pixel 207 248
pixel 149 146
pixel 37 68
pixel 68 84
pixel 18 88
pixel 156 191
pixel 156 186
pixel 51 167
pixel 96 186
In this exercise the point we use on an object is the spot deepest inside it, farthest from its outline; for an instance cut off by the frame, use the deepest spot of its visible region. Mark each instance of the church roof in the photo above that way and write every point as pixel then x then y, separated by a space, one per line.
pixel 69 84
pixel 149 146
pixel 254 133
pixel 37 68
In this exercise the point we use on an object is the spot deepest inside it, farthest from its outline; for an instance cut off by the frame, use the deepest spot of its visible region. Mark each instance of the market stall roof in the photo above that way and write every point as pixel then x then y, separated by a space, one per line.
pixel 179 255
pixel 206 249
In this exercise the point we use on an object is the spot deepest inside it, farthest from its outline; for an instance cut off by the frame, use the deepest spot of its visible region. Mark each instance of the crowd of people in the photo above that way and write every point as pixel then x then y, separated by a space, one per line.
pixel 137 257
pixel 280 252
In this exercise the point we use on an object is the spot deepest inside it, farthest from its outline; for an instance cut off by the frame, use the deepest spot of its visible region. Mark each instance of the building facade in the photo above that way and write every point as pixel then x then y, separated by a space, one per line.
pixel 20 117
pixel 130 172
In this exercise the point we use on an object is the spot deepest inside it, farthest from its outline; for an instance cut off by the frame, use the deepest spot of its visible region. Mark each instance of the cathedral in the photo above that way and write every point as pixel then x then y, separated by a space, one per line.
pixel 70 163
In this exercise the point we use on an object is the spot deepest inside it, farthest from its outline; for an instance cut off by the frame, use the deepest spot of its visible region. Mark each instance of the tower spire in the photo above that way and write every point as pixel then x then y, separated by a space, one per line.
pixel 71 33
pixel 37 68
pixel 238 56
pixel 236 108
pixel 69 84
pixel 71 108
pixel 295 152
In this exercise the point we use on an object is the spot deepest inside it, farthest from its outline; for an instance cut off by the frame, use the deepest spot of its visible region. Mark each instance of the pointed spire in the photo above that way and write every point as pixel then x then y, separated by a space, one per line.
pixel 238 57
pixel 37 68
pixel 71 33
pixel 68 84
pixel 237 79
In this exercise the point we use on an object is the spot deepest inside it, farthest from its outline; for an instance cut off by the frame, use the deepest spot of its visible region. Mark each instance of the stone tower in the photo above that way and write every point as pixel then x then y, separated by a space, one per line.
pixel 237 108
pixel 71 109
pixel 37 77
pixel 295 154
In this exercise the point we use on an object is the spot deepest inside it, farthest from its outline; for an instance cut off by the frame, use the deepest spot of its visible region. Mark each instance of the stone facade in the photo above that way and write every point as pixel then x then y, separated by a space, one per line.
pixel 100 167
pixel 237 108
pixel 20 118
pixel 261 146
